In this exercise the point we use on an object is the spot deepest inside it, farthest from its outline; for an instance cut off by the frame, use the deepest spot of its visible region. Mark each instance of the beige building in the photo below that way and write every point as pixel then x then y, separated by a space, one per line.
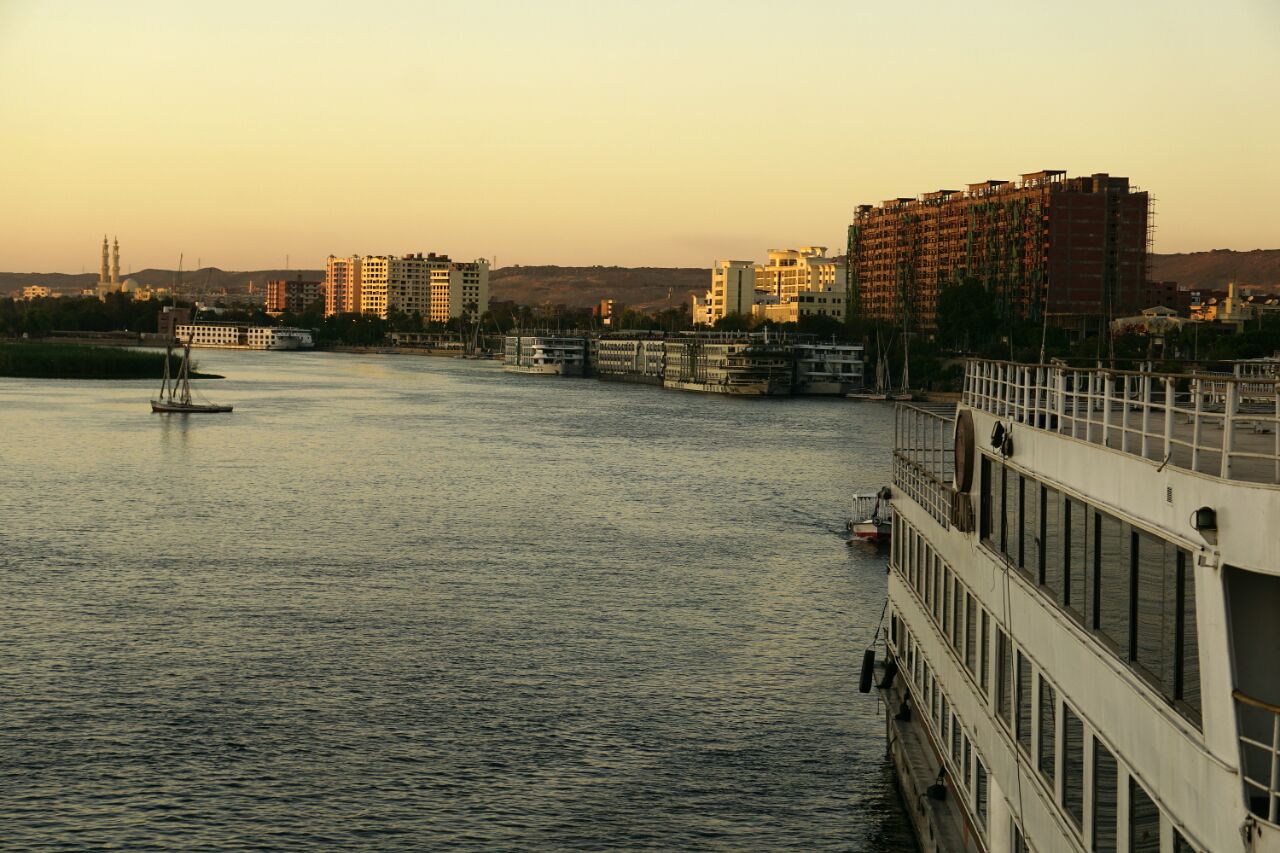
pixel 791 272
pixel 732 292
pixel 794 284
pixel 36 291
pixel 433 285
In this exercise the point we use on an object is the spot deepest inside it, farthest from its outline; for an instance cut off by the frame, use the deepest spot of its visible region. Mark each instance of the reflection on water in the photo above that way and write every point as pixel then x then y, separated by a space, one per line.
pixel 400 603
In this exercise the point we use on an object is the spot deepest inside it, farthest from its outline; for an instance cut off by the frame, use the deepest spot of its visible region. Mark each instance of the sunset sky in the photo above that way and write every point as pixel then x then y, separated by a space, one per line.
pixel 594 132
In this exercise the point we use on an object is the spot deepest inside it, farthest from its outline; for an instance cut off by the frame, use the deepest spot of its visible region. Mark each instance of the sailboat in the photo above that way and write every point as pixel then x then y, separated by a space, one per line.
pixel 175 391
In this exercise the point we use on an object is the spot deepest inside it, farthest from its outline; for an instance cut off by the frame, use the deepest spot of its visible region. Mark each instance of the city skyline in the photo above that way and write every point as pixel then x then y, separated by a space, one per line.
pixel 656 135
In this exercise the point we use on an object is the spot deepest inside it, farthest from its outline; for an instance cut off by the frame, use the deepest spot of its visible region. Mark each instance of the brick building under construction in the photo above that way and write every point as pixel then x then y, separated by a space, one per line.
pixel 1074 247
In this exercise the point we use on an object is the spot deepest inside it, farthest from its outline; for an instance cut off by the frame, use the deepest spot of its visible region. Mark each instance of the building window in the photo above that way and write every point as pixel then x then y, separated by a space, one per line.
pixel 1105 786
pixel 1024 703
pixel 1144 821
pixel 1072 765
pixel 1048 725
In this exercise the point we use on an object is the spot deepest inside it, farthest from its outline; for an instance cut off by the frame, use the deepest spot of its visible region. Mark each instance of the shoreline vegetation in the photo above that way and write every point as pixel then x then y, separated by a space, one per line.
pixel 44 360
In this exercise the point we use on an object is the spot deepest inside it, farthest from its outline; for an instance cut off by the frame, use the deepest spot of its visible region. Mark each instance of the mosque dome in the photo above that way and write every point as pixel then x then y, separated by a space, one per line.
pixel 130 285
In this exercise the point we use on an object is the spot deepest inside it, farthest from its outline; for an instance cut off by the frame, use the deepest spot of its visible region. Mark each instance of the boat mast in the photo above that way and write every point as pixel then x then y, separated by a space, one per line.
pixel 164 380
pixel 186 372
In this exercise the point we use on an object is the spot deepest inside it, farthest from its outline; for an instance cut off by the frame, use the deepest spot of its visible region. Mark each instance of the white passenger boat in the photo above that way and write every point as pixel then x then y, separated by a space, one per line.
pixel 546 355
pixel 872 517
pixel 1083 645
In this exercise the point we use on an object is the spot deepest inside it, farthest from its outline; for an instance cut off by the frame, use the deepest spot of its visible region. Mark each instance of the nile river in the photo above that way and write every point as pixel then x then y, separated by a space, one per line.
pixel 410 603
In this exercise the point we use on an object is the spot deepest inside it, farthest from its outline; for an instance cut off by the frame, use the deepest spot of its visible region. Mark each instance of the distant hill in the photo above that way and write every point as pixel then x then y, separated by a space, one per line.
pixel 1213 270
pixel 648 288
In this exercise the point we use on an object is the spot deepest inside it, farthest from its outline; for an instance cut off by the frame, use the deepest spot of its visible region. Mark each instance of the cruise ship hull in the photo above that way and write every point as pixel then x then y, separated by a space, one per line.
pixel 752 389
pixel 545 369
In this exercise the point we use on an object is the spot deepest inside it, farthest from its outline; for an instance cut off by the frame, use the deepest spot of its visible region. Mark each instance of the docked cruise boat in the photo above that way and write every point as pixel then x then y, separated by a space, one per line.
pixel 1084 613
pixel 546 355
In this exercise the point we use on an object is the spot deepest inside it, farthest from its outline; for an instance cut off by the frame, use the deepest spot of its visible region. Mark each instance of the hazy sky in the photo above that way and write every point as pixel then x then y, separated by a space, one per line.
pixel 595 132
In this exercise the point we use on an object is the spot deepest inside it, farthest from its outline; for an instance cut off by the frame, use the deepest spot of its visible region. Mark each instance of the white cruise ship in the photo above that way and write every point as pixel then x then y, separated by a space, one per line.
pixel 1084 599
pixel 242 336
pixel 548 355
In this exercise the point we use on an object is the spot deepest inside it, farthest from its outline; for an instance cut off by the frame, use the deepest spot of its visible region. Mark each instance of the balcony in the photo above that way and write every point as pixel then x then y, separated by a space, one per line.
pixel 1216 424
pixel 924 458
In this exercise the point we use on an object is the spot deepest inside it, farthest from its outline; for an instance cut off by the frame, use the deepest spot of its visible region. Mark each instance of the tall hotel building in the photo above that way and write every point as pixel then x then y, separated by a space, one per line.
pixel 1074 247
pixel 433 285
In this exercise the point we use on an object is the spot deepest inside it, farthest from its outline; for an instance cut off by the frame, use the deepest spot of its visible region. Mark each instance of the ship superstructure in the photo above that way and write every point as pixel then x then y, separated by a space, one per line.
pixel 1084 599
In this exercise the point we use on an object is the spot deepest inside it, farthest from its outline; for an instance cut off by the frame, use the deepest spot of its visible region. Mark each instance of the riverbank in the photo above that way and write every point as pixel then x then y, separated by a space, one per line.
pixel 44 360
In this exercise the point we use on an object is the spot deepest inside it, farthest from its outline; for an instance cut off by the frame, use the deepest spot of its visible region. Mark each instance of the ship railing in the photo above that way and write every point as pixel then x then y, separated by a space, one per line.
pixel 1216 424
pixel 1260 760
pixel 924 458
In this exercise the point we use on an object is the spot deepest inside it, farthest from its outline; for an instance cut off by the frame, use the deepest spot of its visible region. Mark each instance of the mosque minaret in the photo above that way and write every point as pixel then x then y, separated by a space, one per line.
pixel 109 272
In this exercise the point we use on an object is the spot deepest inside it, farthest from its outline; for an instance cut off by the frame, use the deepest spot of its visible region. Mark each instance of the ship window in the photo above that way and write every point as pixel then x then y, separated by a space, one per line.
pixel 1029 531
pixel 1155 629
pixel 1104 799
pixel 984 655
pixel 1188 681
pixel 956 736
pixel 1072 764
pixel 944 716
pixel 996 488
pixel 1011 531
pixel 980 792
pixel 970 634
pixel 985 509
pixel 1113 583
pixel 937 595
pixel 1075 544
pixel 1004 676
pixel 968 759
pixel 1144 821
pixel 1019 844
pixel 1048 724
pixel 1023 688
pixel 1052 569
pixel 929 568
pixel 1181 845
pixel 957 617
pixel 946 601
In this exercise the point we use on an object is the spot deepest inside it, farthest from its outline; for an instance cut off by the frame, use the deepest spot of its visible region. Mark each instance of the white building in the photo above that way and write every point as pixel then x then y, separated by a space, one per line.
pixel 732 291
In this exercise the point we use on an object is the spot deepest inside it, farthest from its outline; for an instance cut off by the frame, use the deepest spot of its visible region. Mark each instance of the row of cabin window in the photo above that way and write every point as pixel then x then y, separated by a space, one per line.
pixel 1016 704
pixel 941 592
pixel 1134 590
pixel 962 620
pixel 968 769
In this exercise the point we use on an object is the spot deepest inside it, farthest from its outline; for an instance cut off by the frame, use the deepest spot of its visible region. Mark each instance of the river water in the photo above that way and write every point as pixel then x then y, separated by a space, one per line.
pixel 411 603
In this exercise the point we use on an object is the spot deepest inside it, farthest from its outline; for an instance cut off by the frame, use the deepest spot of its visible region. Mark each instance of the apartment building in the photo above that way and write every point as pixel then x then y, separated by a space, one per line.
pixel 1075 248
pixel 432 285
pixel 342 285
pixel 297 295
